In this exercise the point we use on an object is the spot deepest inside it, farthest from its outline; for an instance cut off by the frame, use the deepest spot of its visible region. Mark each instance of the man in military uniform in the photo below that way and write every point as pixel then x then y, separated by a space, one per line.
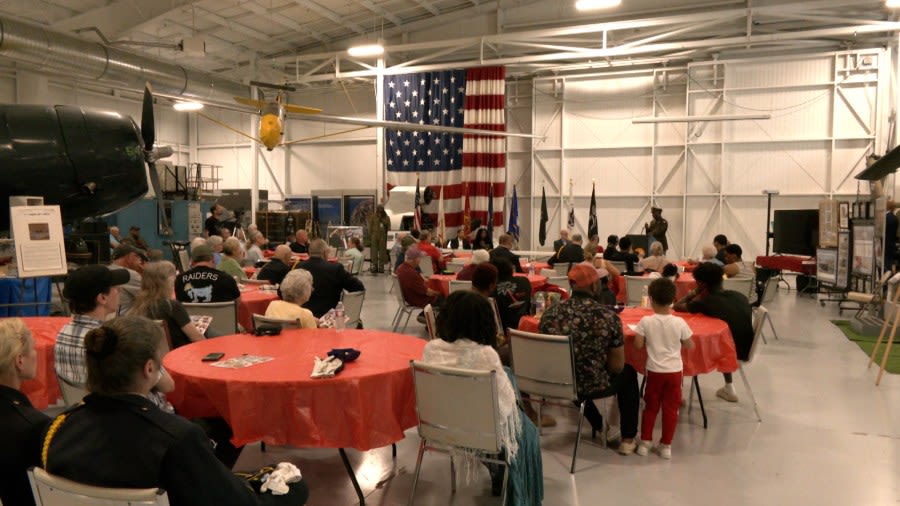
pixel 379 224
pixel 658 227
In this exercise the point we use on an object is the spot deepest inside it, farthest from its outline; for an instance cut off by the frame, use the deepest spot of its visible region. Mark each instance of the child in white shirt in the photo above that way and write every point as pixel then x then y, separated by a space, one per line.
pixel 664 334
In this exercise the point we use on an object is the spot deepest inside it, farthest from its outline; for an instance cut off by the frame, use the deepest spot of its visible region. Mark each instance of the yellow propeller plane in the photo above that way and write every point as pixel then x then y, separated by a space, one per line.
pixel 271 117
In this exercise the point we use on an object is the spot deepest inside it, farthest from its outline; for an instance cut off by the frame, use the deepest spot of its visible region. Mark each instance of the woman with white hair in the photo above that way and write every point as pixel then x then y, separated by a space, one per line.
pixel 657 259
pixel 255 243
pixel 231 260
pixel 479 256
pixel 296 289
pixel 20 424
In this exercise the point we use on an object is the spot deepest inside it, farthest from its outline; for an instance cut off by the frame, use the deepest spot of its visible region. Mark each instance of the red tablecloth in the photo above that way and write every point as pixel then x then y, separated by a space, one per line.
pixel 367 405
pixel 253 300
pixel 538 266
pixel 249 271
pixel 684 284
pixel 43 390
pixel 441 282
pixel 803 265
pixel 713 345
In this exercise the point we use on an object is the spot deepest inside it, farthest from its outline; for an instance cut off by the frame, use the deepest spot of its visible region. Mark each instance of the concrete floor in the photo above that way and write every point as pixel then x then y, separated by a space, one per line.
pixel 828 436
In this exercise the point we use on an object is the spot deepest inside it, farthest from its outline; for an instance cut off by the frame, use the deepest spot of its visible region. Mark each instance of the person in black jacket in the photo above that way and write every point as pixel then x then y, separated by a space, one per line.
pixel 329 279
pixel 277 267
pixel 119 439
pixel 504 251
pixel 20 424
pixel 571 253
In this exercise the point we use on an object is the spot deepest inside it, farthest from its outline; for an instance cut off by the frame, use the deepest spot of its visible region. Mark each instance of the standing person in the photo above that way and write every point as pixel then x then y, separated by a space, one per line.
pixel 117 438
pixel 329 279
pixel 203 282
pixel 131 260
pixel 665 335
pixel 93 295
pixel 729 306
pixel 213 223
pixel 21 425
pixel 504 251
pixel 467 339
pixel 658 227
pixel 155 301
pixel 379 225
pixel 598 346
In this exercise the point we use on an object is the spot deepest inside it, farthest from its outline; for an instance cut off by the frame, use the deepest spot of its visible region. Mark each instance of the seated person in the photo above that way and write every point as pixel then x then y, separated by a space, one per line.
pixel 657 259
pixel 708 254
pixel 117 424
pixel 612 248
pixel 735 266
pixel 20 424
pixel 155 301
pixel 232 257
pixel 405 242
pixel 627 255
pixel 720 241
pixel 217 243
pixel 295 291
pixel 329 278
pixel 355 252
pixel 513 294
pixel 670 272
pixel 484 279
pixel 277 267
pixel 301 245
pixel 256 242
pixel 504 250
pixel 466 339
pixel 604 294
pixel 479 256
pixel 425 246
pixel 571 252
pixel 412 284
pixel 203 282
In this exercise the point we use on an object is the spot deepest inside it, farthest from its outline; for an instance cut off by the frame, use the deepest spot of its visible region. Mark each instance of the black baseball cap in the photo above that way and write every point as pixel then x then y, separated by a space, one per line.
pixel 89 281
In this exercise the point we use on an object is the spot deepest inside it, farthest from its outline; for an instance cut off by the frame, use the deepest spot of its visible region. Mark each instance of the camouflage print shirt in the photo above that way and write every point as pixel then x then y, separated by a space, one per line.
pixel 594 330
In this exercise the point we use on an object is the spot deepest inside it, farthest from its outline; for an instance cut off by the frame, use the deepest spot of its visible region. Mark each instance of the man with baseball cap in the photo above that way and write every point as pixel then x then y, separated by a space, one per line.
pixel 130 259
pixel 595 332
pixel 93 294
pixel 412 284
pixel 203 282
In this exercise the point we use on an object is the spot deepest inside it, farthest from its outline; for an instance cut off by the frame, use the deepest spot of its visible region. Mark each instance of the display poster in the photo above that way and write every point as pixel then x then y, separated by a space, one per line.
pixel 195 220
pixel 826 265
pixel 842 278
pixel 844 215
pixel 863 248
pixel 303 204
pixel 328 211
pixel 357 209
pixel 40 250
pixel 828 223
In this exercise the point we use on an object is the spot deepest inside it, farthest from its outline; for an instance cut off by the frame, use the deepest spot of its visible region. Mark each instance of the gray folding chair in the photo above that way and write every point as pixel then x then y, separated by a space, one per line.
pixel 353 304
pixel 259 319
pixel 634 288
pixel 50 490
pixel 224 315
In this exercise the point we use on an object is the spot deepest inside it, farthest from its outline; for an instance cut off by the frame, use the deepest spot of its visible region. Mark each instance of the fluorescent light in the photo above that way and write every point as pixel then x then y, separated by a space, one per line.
pixel 892 4
pixel 366 50
pixel 688 119
pixel 589 5
pixel 187 106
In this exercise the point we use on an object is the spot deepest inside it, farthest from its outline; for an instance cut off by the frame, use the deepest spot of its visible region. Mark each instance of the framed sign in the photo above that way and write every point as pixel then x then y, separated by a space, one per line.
pixel 827 265
pixel 40 250
pixel 842 278
pixel 844 215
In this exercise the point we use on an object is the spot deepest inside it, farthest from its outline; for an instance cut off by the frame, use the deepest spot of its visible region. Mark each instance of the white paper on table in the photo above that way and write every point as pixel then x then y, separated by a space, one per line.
pixel 633 327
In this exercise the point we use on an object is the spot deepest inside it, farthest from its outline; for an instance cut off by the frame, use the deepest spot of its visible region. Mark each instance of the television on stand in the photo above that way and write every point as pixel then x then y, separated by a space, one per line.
pixel 796 232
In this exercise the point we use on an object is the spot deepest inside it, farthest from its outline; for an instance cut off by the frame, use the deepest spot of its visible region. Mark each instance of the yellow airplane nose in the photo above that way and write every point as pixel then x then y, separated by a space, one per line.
pixel 270 131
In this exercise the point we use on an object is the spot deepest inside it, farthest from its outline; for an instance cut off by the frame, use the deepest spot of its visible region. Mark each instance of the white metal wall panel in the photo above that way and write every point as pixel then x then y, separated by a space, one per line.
pixel 792 168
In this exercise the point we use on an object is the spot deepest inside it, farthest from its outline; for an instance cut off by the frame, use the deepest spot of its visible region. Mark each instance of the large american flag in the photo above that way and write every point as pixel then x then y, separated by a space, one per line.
pixel 460 164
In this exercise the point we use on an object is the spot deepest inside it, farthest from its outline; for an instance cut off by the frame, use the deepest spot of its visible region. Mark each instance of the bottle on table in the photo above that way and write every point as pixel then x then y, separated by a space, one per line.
pixel 339 319
pixel 530 267
pixel 539 303
pixel 645 297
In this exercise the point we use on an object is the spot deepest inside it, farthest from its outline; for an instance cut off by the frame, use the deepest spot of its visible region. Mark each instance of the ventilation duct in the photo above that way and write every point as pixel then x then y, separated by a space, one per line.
pixel 53 52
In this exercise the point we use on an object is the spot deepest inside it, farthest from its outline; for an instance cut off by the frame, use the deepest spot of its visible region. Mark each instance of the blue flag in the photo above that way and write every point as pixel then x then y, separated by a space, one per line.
pixel 514 216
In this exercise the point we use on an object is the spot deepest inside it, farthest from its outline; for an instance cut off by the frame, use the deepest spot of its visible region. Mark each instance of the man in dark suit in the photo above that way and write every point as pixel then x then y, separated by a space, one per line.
pixel 570 253
pixel 301 245
pixel 504 251
pixel 562 241
pixel 277 267
pixel 329 279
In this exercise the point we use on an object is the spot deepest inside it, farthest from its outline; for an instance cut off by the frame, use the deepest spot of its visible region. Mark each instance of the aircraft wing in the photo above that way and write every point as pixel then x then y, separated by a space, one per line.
pixel 413 127
pixel 256 104
pixel 299 109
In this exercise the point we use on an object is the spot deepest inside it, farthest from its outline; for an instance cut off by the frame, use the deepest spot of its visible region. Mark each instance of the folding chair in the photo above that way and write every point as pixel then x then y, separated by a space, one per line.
pixel 426 267
pixel 634 288
pixel 562 269
pixel 72 394
pixel 761 314
pixel 754 349
pixel 430 322
pixel 402 306
pixel 259 319
pixel 457 408
pixel 457 285
pixel 560 281
pixel 544 366
pixel 353 304
pixel 224 315
pixel 50 490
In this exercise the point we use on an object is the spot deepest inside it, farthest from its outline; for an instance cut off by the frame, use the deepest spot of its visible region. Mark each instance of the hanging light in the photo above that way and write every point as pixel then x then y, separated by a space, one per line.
pixel 589 5
pixel 366 50
pixel 187 106
pixel 892 4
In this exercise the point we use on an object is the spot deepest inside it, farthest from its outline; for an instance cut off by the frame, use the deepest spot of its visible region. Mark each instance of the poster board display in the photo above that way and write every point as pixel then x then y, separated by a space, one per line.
pixel 863 247
pixel 40 248
pixel 829 219
pixel 842 278
pixel 826 265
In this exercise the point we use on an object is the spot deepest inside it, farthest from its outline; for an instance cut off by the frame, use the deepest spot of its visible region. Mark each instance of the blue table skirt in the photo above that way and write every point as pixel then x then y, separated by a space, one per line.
pixel 12 288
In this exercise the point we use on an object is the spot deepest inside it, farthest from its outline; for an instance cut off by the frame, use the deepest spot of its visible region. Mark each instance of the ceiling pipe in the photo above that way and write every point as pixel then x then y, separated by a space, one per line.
pixel 52 52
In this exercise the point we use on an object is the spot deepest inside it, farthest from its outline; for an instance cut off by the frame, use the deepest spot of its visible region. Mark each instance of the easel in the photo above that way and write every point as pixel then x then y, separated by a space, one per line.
pixel 896 319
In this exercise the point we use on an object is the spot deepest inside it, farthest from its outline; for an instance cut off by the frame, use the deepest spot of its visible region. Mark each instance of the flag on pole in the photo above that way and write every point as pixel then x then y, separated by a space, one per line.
pixel 467 219
pixel 490 215
pixel 442 225
pixel 417 219
pixel 513 228
pixel 542 233
pixel 570 224
pixel 592 214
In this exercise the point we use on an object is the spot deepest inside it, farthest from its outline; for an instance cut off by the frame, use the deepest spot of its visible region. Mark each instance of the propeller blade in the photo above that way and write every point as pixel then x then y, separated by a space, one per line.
pixel 148 128
pixel 164 228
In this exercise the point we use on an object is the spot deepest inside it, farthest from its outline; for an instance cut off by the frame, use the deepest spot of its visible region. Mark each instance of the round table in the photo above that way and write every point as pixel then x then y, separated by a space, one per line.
pixel 441 282
pixel 367 405
pixel 683 284
pixel 713 345
pixel 43 390
pixel 253 300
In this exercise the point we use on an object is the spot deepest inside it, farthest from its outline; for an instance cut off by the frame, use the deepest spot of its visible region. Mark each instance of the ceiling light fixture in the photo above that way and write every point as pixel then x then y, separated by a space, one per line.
pixel 689 119
pixel 892 4
pixel 366 50
pixel 187 106
pixel 589 5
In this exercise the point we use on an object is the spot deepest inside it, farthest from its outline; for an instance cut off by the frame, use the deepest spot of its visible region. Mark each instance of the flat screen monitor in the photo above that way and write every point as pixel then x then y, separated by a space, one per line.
pixel 796 232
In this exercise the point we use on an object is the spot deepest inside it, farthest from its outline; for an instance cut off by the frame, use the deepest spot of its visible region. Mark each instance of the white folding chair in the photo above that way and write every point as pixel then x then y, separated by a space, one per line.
pixel 430 322
pixel 740 285
pixel 457 408
pixel 50 490
pixel 402 306
pixel 545 369
pixel 560 281
pixel 754 349
pixel 426 267
pixel 550 273
pixel 184 259
pixel 562 269
pixel 634 288
pixel 224 315
pixel 353 304
pixel 501 332
pixel 761 316
pixel 72 394
pixel 457 285
pixel 619 265
pixel 455 267
pixel 347 262
pixel 259 319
